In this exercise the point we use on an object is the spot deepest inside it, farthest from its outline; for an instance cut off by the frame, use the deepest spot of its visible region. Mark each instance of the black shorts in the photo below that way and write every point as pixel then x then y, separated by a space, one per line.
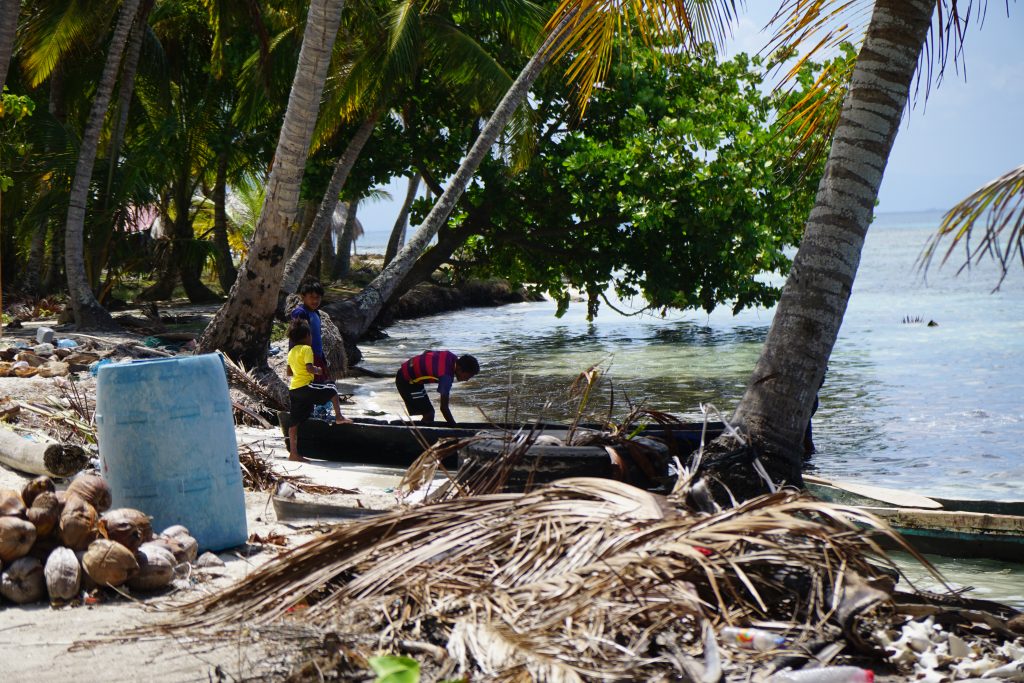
pixel 305 398
pixel 414 395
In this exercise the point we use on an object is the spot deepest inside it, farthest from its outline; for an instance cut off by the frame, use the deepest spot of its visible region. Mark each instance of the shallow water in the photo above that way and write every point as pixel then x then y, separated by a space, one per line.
pixel 936 409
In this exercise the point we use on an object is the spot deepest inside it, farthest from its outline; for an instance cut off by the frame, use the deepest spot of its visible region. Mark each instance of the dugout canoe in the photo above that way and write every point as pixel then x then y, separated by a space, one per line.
pixel 398 444
pixel 950 527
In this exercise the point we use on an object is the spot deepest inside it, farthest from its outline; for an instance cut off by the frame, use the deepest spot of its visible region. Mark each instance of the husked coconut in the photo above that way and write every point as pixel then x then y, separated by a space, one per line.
pixel 22 581
pixel 109 563
pixel 87 583
pixel 77 523
pixel 16 538
pixel 156 568
pixel 35 487
pixel 92 489
pixel 173 546
pixel 63 575
pixel 11 504
pixel 181 534
pixel 127 526
pixel 44 513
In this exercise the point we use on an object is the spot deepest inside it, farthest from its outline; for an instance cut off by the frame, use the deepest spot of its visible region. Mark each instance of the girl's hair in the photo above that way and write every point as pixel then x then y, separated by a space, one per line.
pixel 298 330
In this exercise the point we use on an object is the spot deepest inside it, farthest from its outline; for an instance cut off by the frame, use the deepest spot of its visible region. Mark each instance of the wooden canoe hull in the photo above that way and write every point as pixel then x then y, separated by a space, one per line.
pixel 981 531
pixel 398 444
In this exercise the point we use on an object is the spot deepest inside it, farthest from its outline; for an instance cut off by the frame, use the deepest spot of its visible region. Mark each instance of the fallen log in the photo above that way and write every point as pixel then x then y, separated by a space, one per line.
pixel 40 455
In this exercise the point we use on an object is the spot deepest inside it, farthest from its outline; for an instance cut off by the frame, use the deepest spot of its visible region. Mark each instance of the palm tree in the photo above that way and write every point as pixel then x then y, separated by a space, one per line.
pixel 397 238
pixel 775 409
pixel 9 11
pixel 241 327
pixel 87 310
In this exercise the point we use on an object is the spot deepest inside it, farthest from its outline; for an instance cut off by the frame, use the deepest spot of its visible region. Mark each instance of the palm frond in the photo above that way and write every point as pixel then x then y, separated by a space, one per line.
pixel 58 30
pixel 588 29
pixel 592 574
pixel 999 207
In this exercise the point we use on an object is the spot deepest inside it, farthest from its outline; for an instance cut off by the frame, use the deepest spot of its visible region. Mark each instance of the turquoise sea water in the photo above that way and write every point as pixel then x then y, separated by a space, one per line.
pixel 939 409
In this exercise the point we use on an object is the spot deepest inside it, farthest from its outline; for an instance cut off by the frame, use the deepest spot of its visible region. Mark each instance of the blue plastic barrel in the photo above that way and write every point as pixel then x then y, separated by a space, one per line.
pixel 167 445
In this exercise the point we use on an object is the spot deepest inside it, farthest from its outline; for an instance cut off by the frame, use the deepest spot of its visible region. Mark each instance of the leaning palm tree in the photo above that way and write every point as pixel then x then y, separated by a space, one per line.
pixel 241 327
pixel 585 28
pixel 87 310
pixel 774 411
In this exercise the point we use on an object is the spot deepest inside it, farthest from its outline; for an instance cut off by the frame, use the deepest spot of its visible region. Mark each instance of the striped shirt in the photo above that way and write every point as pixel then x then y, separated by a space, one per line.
pixel 431 366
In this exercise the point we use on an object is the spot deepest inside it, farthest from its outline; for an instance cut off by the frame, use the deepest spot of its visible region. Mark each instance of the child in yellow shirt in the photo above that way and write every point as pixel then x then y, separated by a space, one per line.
pixel 303 394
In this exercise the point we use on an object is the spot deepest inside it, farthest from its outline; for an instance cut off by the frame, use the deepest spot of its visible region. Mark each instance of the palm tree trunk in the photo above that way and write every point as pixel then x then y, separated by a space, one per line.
pixel 298 264
pixel 343 259
pixel 226 271
pixel 778 401
pixel 397 238
pixel 88 312
pixel 124 96
pixel 361 310
pixel 9 11
pixel 242 326
pixel 32 280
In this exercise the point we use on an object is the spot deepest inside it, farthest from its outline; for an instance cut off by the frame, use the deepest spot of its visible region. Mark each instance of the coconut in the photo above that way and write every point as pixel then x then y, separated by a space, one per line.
pixel 180 534
pixel 87 583
pixel 35 487
pixel 11 504
pixel 156 568
pixel 63 575
pixel 44 513
pixel 127 526
pixel 173 546
pixel 109 563
pixel 22 582
pixel 16 538
pixel 92 489
pixel 77 523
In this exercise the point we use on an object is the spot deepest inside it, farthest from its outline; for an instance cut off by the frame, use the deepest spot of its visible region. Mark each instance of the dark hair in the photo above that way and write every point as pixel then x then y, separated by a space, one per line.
pixel 298 330
pixel 311 287
pixel 468 363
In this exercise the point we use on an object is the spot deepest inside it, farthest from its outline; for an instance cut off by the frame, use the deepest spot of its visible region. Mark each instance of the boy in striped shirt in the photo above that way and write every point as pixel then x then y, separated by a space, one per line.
pixel 441 367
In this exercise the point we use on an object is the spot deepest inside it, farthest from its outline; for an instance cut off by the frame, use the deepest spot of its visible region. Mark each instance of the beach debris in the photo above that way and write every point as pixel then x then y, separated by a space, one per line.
pixel 209 560
pixel 39 454
pixel 38 485
pixel 77 523
pixel 45 335
pixel 825 674
pixel 180 534
pixel 260 474
pixel 44 513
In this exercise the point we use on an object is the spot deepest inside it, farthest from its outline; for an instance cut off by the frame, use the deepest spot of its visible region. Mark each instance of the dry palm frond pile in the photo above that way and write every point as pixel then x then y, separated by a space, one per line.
pixel 582 579
pixel 259 474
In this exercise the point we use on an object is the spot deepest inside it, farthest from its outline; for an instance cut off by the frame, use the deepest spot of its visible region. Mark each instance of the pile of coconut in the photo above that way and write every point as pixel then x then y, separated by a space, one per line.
pixel 61 544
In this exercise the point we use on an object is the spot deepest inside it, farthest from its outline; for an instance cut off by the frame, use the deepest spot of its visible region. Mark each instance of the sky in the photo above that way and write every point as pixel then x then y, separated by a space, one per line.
pixel 966 133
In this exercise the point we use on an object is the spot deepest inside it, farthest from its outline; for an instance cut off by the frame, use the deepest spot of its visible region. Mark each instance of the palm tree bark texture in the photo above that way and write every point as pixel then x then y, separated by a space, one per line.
pixel 87 310
pixel 241 328
pixel 776 407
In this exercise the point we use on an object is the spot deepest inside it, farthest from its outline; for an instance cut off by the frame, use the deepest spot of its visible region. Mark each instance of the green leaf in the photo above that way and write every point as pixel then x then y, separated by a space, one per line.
pixel 395 669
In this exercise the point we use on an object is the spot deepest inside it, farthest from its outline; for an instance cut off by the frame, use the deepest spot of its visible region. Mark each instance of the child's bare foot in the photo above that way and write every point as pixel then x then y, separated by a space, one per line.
pixel 295 457
pixel 342 420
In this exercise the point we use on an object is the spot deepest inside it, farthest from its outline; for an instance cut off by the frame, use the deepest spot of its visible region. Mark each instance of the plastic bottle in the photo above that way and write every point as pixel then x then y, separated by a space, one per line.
pixel 66 343
pixel 825 674
pixel 752 638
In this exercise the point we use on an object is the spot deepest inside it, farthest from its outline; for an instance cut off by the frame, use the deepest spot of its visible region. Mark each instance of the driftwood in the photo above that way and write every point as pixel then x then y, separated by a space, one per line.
pixel 43 456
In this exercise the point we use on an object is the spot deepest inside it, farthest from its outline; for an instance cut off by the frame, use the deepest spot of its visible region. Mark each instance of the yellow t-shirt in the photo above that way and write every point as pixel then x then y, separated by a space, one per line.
pixel 298 357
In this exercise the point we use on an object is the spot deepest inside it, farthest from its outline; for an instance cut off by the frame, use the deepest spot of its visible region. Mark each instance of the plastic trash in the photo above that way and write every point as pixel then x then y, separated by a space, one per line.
pixel 45 349
pixel 826 674
pixel 66 344
pixel 45 335
pixel 274 350
pixel 95 367
pixel 752 638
